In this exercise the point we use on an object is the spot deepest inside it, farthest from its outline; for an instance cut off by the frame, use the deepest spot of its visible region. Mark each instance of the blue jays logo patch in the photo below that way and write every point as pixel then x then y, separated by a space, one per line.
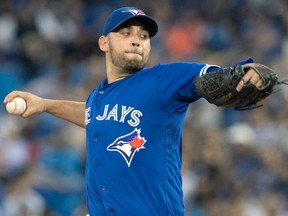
pixel 127 145
pixel 135 12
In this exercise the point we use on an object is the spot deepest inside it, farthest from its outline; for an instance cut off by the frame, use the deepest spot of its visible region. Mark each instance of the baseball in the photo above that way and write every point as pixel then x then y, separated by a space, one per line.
pixel 17 106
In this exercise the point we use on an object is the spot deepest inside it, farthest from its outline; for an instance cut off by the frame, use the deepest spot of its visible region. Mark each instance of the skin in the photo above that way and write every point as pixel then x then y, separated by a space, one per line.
pixel 127 51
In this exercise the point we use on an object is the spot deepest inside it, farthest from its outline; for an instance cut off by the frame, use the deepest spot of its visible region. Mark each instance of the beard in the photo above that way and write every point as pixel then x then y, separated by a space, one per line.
pixel 127 64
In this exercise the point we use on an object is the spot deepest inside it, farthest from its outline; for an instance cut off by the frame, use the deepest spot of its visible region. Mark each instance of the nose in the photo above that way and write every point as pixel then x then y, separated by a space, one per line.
pixel 136 41
pixel 135 44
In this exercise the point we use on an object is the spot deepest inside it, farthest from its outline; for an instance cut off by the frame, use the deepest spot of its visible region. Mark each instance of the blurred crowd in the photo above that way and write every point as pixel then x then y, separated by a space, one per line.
pixel 234 162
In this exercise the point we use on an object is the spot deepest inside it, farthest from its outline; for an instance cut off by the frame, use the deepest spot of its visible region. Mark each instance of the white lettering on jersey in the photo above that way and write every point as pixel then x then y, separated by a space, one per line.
pixel 87 115
pixel 135 118
pixel 112 114
pixel 100 118
pixel 125 113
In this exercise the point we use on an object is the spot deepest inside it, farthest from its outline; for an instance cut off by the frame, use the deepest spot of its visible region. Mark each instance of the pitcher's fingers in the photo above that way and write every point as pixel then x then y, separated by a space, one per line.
pixel 9 97
pixel 259 84
pixel 257 80
pixel 30 110
pixel 26 114
pixel 240 85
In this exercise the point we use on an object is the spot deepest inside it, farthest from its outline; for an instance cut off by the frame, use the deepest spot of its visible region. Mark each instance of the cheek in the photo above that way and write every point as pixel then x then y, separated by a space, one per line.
pixel 119 47
pixel 147 48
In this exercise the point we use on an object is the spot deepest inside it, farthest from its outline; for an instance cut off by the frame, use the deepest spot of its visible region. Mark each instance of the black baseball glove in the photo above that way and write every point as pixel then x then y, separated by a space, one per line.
pixel 219 87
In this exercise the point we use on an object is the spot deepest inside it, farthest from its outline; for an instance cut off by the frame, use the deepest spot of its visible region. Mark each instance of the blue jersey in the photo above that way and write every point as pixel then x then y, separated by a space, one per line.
pixel 133 132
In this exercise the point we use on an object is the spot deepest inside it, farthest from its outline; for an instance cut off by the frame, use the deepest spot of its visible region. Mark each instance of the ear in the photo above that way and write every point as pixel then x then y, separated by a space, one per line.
pixel 103 43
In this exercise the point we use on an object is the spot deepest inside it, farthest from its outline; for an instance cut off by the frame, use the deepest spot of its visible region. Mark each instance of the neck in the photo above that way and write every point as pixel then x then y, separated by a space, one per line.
pixel 115 74
pixel 113 78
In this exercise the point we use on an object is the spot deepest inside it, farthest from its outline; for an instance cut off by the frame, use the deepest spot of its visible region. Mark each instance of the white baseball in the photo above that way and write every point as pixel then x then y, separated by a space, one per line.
pixel 17 106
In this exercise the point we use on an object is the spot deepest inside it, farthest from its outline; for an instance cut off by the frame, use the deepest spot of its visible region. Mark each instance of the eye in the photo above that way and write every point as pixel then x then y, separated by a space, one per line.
pixel 125 32
pixel 144 35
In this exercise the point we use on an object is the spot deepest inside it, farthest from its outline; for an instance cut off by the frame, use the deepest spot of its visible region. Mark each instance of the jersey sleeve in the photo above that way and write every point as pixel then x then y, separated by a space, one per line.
pixel 176 80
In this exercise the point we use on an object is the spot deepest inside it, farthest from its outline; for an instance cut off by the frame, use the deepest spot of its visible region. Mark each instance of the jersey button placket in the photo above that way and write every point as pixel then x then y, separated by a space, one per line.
pixel 101 92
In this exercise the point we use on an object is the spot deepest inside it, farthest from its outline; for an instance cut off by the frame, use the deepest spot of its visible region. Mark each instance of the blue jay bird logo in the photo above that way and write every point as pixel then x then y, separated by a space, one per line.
pixel 128 145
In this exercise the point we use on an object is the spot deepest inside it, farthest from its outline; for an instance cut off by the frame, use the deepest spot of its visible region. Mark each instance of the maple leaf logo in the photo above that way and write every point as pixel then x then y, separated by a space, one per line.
pixel 137 142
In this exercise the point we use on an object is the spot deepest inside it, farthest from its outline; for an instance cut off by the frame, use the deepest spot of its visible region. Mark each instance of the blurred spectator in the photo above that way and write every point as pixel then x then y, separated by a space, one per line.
pixel 20 198
pixel 60 173
pixel 184 37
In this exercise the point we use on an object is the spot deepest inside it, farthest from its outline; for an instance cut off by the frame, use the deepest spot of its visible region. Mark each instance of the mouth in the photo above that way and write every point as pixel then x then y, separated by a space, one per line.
pixel 138 52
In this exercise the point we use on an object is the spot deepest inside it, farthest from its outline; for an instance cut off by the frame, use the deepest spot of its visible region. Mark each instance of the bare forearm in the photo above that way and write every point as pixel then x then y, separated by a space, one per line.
pixel 70 111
